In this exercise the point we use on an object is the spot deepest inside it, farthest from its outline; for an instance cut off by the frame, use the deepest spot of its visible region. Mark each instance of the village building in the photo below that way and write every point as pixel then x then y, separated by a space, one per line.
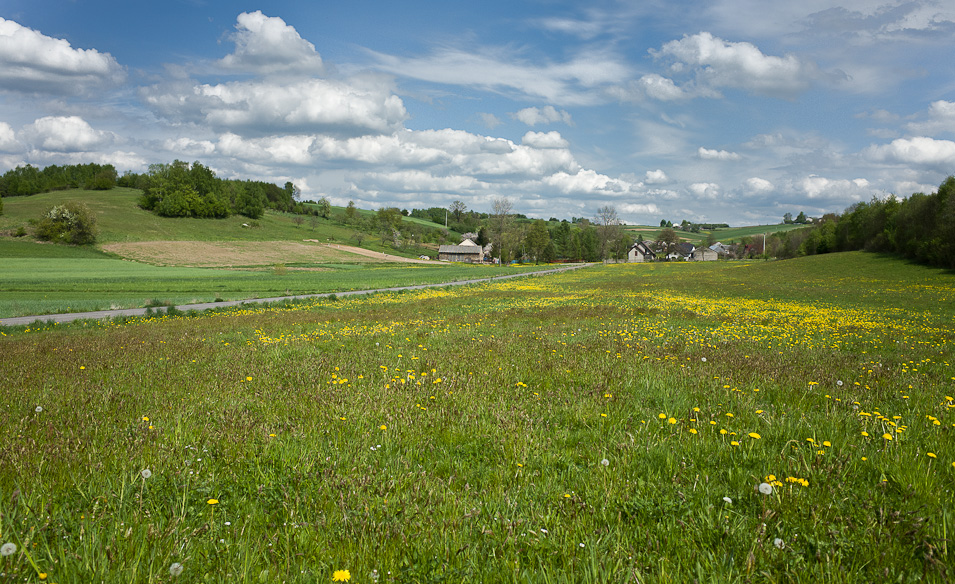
pixel 640 252
pixel 467 251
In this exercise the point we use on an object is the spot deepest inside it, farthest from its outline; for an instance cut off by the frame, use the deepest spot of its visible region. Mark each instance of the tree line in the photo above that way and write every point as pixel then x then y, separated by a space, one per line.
pixel 29 180
pixel 920 227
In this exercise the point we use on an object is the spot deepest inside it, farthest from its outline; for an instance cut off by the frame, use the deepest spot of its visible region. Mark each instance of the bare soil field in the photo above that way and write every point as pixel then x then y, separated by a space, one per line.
pixel 234 254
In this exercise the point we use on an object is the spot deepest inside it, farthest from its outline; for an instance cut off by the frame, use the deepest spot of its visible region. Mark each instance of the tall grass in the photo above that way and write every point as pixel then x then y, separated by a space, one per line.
pixel 610 425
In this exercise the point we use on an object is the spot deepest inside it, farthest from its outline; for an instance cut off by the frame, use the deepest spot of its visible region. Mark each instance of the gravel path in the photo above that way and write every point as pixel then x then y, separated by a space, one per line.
pixel 100 314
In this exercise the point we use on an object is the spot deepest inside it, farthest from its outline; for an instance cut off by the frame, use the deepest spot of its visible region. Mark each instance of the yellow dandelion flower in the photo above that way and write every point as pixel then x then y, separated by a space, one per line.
pixel 383 427
pixel 864 433
pixel 662 416
pixel 692 430
pixel 671 421
pixel 248 379
pixel 826 443
pixel 931 455
pixel 341 576
pixel 734 443
pixel 754 435
pixel 213 501
pixel 887 436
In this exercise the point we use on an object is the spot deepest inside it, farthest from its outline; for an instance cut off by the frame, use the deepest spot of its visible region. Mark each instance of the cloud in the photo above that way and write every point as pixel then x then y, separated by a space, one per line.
pixel 544 140
pixel 31 62
pixel 705 154
pixel 639 208
pixel 756 185
pixel 189 147
pixel 8 139
pixel 819 187
pixel 363 105
pixel 920 150
pixel 705 190
pixel 656 177
pixel 571 82
pixel 941 120
pixel 65 134
pixel 545 115
pixel 738 65
pixel 661 88
pixel 587 182
pixel 490 121
pixel 267 45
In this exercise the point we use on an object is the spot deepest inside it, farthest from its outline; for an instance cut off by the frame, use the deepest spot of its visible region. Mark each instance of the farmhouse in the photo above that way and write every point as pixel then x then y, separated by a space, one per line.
pixel 639 252
pixel 467 251
pixel 704 254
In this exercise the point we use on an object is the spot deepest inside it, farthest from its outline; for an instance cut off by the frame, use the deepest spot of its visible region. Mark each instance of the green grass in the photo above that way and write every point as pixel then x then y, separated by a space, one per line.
pixel 81 280
pixel 726 235
pixel 460 434
pixel 120 219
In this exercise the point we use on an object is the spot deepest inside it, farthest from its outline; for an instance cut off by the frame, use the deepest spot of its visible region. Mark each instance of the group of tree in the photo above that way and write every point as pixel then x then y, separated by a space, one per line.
pixel 181 189
pixel 29 180
pixel 800 219
pixel 920 227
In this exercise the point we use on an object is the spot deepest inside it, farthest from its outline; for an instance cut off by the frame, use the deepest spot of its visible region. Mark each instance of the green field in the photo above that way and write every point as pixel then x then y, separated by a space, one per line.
pixel 725 235
pixel 45 279
pixel 720 422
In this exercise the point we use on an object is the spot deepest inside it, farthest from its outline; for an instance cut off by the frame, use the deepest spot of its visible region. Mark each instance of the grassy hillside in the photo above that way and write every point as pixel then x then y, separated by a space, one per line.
pixel 727 422
pixel 727 235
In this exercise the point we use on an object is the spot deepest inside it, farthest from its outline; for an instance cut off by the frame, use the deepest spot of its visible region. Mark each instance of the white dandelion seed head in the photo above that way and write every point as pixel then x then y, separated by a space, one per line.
pixel 582 544
pixel 703 359
pixel 728 500
pixel 605 462
pixel 544 531
pixel 8 549
pixel 38 409
pixel 839 383
pixel 779 543
pixel 146 473
pixel 175 569
pixel 766 488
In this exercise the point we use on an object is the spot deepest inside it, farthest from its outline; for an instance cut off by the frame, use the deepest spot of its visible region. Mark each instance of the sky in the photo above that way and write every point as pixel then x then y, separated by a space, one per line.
pixel 727 111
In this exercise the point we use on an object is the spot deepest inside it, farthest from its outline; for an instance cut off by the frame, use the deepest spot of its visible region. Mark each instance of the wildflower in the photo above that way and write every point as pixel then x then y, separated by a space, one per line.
pixel 8 549
pixel 779 543
pixel 671 421
pixel 605 462
pixel 734 443
pixel 582 544
pixel 864 433
pixel 248 379
pixel 146 473
pixel 766 488
pixel 754 435
pixel 728 500
pixel 383 427
pixel 145 418
pixel 931 454
pixel 175 569
pixel 42 575
pixel 213 501
pixel 826 443
pixel 887 436
pixel 662 416
pixel 341 576
pixel 38 409
pixel 692 430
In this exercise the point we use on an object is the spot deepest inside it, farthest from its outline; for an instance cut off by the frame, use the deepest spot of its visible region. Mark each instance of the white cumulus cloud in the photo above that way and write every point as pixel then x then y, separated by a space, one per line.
pixel 544 140
pixel 705 190
pixel 706 154
pixel 756 185
pixel 266 44
pixel 8 139
pixel 656 177
pixel 35 63
pixel 941 120
pixel 65 134
pixel 919 150
pixel 739 65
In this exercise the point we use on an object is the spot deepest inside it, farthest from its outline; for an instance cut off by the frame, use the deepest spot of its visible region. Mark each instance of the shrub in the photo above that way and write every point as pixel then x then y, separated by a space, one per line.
pixel 68 223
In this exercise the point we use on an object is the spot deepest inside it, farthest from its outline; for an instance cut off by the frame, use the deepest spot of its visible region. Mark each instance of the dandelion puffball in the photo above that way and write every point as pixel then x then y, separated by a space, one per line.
pixel 175 569
pixel 766 488
pixel 728 500
pixel 779 543
pixel 146 473
pixel 605 462
pixel 8 549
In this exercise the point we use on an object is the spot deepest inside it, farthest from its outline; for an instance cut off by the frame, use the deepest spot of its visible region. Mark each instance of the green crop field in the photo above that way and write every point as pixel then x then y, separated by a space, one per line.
pixel 708 422
pixel 44 279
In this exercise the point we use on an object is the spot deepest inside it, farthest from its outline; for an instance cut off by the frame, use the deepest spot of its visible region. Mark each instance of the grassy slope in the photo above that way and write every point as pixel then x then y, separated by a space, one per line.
pixel 728 235
pixel 459 435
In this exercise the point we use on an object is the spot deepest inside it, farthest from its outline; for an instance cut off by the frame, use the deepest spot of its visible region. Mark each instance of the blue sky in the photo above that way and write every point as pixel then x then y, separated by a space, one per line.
pixel 733 111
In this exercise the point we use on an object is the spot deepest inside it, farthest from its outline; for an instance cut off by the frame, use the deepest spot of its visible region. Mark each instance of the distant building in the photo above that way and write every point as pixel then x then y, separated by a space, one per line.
pixel 467 251
pixel 639 252
pixel 704 254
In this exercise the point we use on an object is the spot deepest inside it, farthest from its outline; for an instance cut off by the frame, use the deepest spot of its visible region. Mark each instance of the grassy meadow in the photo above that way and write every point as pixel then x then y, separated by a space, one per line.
pixel 717 422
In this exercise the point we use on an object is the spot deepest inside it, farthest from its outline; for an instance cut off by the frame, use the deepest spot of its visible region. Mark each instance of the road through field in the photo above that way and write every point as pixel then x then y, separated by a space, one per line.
pixel 100 314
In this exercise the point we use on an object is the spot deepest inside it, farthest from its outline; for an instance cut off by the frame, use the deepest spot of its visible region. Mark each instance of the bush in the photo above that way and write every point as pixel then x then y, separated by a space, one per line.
pixel 69 223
